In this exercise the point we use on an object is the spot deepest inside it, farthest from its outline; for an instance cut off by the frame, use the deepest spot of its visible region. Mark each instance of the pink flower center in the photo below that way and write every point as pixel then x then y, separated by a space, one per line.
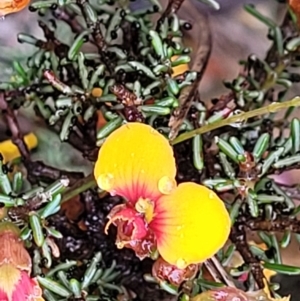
pixel 132 227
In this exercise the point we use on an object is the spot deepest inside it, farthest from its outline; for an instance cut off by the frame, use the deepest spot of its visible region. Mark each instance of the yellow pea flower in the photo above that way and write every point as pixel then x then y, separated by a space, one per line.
pixel 187 223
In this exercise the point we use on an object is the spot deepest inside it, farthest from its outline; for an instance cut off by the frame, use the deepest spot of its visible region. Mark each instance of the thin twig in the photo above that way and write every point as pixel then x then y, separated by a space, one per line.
pixel 80 186
pixel 278 171
pixel 238 237
pixel 69 18
pixel 12 123
pixel 272 108
pixel 36 170
pixel 172 7
pixel 41 171
pixel 280 224
pixel 189 93
pixel 218 267
pixel 97 35
pixel 273 58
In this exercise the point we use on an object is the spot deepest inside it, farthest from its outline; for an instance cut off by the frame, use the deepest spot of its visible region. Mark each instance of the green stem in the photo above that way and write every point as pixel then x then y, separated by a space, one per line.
pixel 272 108
pixel 79 187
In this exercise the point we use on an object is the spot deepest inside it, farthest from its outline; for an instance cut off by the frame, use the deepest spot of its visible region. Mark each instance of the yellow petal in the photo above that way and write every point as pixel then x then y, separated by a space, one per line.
pixel 266 290
pixel 191 224
pixel 177 70
pixel 261 295
pixel 135 162
pixel 287 298
pixel 267 273
pixel 10 151
pixel 9 278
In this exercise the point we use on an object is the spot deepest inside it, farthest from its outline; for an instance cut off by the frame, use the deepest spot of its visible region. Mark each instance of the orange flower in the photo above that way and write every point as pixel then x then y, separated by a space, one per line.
pixel 12 6
pixel 15 268
pixel 186 224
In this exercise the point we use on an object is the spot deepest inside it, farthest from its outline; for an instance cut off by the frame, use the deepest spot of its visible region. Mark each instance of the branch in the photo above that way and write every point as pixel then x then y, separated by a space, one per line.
pixel 79 187
pixel 37 169
pixel 273 58
pixel 238 237
pixel 69 18
pixel 12 123
pixel 97 34
pixel 190 93
pixel 172 7
pixel 280 224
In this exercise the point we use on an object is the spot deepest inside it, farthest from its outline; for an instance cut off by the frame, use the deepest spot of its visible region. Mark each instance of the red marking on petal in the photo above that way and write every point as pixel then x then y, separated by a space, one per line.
pixel 191 224
pixel 3 296
pixel 27 289
pixel 136 190
pixel 132 230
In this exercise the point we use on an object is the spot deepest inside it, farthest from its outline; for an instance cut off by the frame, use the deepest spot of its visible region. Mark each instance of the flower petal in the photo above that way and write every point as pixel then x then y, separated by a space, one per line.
pixel 191 224
pixel 132 224
pixel 27 289
pixel 136 161
pixel 162 270
pixel 9 278
pixel 16 285
pixel 132 231
pixel 12 249
pixel 178 70
pixel 222 294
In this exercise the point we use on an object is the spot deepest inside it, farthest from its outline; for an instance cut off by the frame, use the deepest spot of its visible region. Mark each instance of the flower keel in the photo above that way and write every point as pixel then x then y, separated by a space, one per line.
pixel 132 231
